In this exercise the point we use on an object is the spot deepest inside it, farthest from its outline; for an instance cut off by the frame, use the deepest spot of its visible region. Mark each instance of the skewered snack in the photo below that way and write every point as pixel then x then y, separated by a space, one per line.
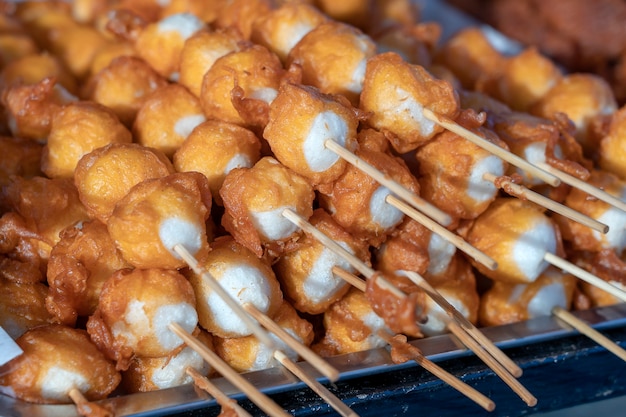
pixel 158 213
pixel 166 118
pixel 76 130
pixel 150 374
pixel 79 265
pixel 333 57
pixel 507 303
pixel 245 277
pixel 301 120
pixel 249 354
pixel 452 170
pixel 395 93
pixel 134 311
pixel 611 150
pixel 306 272
pixel 105 175
pixel 214 148
pixel 22 306
pixel 57 359
pixel 253 217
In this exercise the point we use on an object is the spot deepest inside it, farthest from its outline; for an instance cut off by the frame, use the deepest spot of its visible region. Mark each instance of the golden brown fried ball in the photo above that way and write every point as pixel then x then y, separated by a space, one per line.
pixel 79 265
pixel 33 68
pixel 160 213
pixel 105 175
pixel 248 353
pixel 135 310
pixel 333 58
pixel 305 273
pixel 247 278
pixel 22 306
pixel 76 130
pixel 14 46
pixel 21 259
pixel 106 54
pixel 57 359
pixel 215 148
pixel 205 10
pixel 241 15
pixel 301 120
pixel 396 93
pixel 123 85
pixel 254 199
pixel 612 148
pixel 76 46
pixel 240 86
pixel 166 118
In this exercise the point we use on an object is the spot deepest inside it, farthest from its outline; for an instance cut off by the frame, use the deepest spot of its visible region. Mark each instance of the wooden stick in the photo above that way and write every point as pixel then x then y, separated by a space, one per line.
pixel 465 389
pixel 312 383
pixel 222 399
pixel 474 332
pixel 511 158
pixel 351 279
pixel 86 408
pixel 436 228
pixel 253 326
pixel 584 275
pixel 526 194
pixel 395 187
pixel 494 365
pixel 256 396
pixel 590 332
pixel 596 192
pixel 305 352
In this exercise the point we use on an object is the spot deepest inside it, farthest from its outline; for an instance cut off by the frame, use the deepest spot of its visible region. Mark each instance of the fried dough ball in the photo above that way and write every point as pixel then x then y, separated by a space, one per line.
pixel 166 118
pixel 105 55
pixel 245 277
pixel 240 86
pixel 282 28
pixel 451 171
pixel 353 12
pixel 123 85
pixel 14 46
pixel 241 15
pixel 333 58
pixel 301 120
pixel 160 43
pixel 605 264
pixel 612 149
pixel 351 326
pixel 158 214
pixel 77 46
pixel 247 353
pixel 375 218
pixel 22 306
pixel 32 107
pixel 105 175
pixel 506 303
pixel 585 238
pixel 414 42
pixel 41 18
pixel 33 68
pixel 78 267
pixel 582 97
pixel 47 206
pixel 215 148
pixel 76 130
pixel 150 374
pixel 200 52
pixel 516 234
pixel 305 273
pixel 135 309
pixel 205 10
pixel 395 93
pixel 57 359
pixel 21 259
pixel 18 157
pixel 254 199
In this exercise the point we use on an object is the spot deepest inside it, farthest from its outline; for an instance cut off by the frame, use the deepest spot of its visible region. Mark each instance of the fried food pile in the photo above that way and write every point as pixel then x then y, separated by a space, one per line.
pixel 132 129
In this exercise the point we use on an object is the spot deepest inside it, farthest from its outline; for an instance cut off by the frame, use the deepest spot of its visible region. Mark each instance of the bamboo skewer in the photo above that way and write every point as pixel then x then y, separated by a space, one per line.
pixel 584 275
pixel 205 384
pixel 511 158
pixel 86 408
pixel 306 353
pixel 479 336
pixel 590 332
pixel 450 237
pixel 473 394
pixel 596 192
pixel 494 365
pixel 420 204
pixel 522 192
pixel 261 400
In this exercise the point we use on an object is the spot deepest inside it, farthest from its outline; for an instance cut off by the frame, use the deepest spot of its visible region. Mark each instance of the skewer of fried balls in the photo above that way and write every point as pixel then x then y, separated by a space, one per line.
pixel 370 274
